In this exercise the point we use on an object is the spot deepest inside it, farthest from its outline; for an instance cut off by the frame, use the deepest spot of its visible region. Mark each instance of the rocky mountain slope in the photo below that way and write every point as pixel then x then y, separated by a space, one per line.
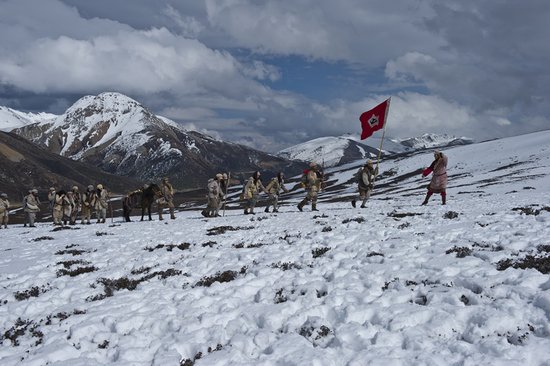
pixel 23 166
pixel 117 134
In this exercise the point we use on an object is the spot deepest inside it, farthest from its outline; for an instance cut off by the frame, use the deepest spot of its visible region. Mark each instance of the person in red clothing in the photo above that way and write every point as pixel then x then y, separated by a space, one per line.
pixel 438 184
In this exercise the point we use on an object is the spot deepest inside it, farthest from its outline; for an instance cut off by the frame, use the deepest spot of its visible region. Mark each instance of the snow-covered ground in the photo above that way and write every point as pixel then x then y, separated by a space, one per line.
pixel 393 284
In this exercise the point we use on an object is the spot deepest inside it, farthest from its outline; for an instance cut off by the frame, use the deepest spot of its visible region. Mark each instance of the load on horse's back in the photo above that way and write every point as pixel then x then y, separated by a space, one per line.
pixel 144 198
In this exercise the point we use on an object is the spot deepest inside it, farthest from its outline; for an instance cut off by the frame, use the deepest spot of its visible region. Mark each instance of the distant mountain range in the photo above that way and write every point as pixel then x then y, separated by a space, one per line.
pixel 334 151
pixel 120 136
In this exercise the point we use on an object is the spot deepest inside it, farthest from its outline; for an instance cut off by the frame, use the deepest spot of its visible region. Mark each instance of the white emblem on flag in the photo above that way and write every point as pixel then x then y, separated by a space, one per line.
pixel 373 121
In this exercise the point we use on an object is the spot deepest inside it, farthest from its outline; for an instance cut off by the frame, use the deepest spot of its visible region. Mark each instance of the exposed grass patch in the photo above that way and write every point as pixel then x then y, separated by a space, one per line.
pixel 43 238
pixel 63 315
pixel 75 272
pixel 19 329
pixel 356 219
pixel 71 251
pixel 373 254
pixel 540 263
pixel 223 229
pixel 110 286
pixel 400 215
pixel 209 244
pixel 531 210
pixel 326 229
pixel 318 252
pixel 461 252
pixel 221 277
pixel 34 291
pixel 60 228
pixel 102 233
pixel 285 266
pixel 451 215
pixel 169 247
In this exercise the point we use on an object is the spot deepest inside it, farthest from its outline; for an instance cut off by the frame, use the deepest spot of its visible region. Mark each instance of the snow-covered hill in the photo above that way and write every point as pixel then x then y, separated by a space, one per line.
pixel 11 119
pixel 344 149
pixel 329 151
pixel 430 140
pixel 117 134
pixel 395 283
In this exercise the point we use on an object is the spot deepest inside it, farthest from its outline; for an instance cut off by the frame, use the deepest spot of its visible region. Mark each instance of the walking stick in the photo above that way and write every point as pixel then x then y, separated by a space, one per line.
pixel 226 189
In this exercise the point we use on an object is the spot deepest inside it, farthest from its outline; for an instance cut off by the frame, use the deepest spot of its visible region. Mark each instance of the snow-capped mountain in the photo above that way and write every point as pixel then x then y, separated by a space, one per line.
pixel 430 141
pixel 344 149
pixel 395 283
pixel 11 118
pixel 119 135
pixel 329 151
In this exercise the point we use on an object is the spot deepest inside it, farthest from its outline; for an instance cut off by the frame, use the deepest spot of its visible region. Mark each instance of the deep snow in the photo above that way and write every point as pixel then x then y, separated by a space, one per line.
pixel 393 284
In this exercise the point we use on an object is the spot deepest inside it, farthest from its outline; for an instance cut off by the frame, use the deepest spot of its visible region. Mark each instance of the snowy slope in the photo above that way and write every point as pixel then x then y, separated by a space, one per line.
pixel 11 118
pixel 343 149
pixel 430 140
pixel 329 151
pixel 393 284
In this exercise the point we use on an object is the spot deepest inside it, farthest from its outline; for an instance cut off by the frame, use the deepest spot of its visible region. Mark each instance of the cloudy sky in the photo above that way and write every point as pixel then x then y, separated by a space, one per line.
pixel 273 73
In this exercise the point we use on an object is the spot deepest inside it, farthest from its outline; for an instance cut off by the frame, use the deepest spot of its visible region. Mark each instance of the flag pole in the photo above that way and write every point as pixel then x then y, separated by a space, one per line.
pixel 382 140
pixel 226 189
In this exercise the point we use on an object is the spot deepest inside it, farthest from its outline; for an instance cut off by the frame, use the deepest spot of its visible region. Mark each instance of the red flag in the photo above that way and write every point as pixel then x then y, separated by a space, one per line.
pixel 374 119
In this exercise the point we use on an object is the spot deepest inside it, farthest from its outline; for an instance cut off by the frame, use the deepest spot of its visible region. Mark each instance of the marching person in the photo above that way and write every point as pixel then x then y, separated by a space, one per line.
pixel 51 199
pixel 312 180
pixel 4 210
pixel 101 203
pixel 224 184
pixel 167 198
pixel 273 189
pixel 88 202
pixel 61 207
pixel 252 191
pixel 438 184
pixel 365 181
pixel 76 201
pixel 213 192
pixel 31 204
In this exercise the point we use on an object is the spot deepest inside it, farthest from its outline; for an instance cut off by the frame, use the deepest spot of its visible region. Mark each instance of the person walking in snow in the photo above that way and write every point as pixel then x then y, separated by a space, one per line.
pixel 312 181
pixel 51 199
pixel 252 191
pixel 438 184
pixel 31 206
pixel 213 196
pixel 4 210
pixel 101 203
pixel 224 185
pixel 273 189
pixel 365 182
pixel 61 207
pixel 167 198
pixel 76 200
pixel 88 202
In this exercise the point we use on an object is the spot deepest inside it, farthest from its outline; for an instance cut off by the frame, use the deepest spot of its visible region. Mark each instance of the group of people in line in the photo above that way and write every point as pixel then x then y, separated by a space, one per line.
pixel 65 206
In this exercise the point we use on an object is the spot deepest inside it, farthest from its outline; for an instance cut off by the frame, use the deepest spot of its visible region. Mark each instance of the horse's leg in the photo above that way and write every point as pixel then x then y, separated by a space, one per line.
pixel 150 218
pixel 142 212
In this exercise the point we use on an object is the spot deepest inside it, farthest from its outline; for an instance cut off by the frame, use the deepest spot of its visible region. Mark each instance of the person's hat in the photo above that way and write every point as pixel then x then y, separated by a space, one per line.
pixel 4 195
pixel 369 162
pixel 100 186
pixel 165 179
pixel 312 165
pixel 219 176
pixel 224 175
pixel 75 188
pixel 90 187
pixel 52 189
pixel 34 190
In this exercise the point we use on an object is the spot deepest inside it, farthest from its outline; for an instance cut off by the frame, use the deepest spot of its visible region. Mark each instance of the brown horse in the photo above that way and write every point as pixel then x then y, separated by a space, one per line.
pixel 143 198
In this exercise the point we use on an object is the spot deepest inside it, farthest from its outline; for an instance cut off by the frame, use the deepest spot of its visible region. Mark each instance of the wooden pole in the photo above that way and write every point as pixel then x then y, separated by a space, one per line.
pixel 382 140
